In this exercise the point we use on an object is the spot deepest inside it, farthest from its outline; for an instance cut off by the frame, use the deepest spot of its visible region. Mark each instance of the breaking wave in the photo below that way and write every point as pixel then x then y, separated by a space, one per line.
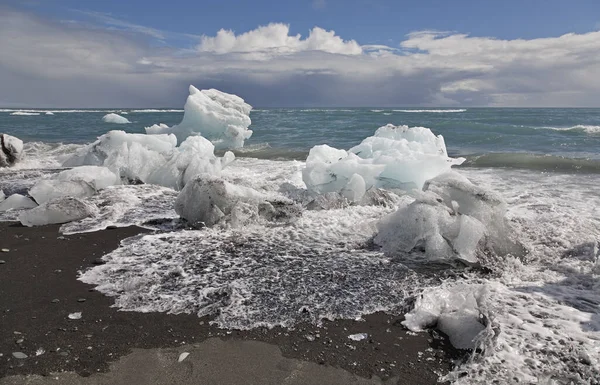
pixel 588 129
pixel 432 111
pixel 535 162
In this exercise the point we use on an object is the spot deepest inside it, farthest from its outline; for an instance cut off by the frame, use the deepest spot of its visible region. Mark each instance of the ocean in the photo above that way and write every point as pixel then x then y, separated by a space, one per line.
pixel 539 312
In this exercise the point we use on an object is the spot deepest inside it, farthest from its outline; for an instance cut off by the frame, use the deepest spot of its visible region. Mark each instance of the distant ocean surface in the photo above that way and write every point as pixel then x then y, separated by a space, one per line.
pixel 536 315
pixel 544 139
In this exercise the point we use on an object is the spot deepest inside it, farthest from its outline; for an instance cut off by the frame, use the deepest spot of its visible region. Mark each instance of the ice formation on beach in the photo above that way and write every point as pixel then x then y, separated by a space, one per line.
pixel 455 311
pixel 396 157
pixel 140 158
pixel 194 156
pixel 16 202
pixel 220 117
pixel 143 205
pixel 131 156
pixel 80 181
pixel 11 150
pixel 115 118
pixel 59 210
pixel 451 219
pixel 519 332
pixel 210 200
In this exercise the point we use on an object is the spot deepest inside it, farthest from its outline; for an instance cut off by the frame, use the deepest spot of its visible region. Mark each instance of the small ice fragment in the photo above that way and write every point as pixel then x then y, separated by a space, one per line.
pixel 19 355
pixel 309 337
pixel 5 250
pixel 358 337
pixel 75 315
pixel 40 351
pixel 115 118
pixel 183 356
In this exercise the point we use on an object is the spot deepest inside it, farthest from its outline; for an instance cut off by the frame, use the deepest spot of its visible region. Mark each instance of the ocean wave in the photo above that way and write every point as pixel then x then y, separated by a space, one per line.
pixel 535 162
pixel 588 129
pixel 42 111
pixel 156 110
pixel 322 110
pixel 23 113
pixel 433 111
pixel 265 151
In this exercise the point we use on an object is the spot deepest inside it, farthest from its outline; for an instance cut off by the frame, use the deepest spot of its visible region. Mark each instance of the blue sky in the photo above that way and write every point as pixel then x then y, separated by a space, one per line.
pixel 462 52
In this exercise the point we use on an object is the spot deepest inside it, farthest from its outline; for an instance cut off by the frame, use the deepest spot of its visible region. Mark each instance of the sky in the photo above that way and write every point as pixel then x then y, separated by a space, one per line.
pixel 114 53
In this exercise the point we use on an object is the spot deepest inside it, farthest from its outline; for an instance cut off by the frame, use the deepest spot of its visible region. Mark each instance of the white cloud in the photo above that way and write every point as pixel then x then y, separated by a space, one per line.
pixel 275 38
pixel 49 62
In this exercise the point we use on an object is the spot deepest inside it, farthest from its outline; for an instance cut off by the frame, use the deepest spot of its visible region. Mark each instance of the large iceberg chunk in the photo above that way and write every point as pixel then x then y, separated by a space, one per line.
pixel 194 156
pixel 131 156
pixel 16 202
pixel 456 310
pixel 140 158
pixel 60 210
pixel 220 117
pixel 211 200
pixel 451 219
pixel 115 118
pixel 11 150
pixel 396 157
pixel 77 182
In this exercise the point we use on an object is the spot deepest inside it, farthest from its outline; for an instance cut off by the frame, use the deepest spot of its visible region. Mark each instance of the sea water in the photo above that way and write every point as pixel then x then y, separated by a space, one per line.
pixel 541 311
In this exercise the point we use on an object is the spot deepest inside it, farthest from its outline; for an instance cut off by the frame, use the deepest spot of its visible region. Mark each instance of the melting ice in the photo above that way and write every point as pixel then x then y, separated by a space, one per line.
pixel 505 263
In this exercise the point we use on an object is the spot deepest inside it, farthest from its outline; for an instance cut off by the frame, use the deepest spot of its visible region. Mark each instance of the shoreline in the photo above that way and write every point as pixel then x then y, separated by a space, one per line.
pixel 39 289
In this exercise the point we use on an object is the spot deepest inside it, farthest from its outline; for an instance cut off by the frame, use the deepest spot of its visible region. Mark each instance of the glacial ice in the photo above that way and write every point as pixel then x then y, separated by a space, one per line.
pixel 451 219
pixel 211 200
pixel 115 118
pixel 11 150
pixel 396 157
pixel 2 196
pixel 220 117
pixel 59 210
pixel 142 205
pixel 140 158
pixel 131 156
pixel 194 156
pixel 82 181
pixel 456 312
pixel 16 202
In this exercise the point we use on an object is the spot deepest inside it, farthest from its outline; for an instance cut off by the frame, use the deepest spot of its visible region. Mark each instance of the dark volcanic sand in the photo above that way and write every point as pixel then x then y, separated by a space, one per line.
pixel 42 266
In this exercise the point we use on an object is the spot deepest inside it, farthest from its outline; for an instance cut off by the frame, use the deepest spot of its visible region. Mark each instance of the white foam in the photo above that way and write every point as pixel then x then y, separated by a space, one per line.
pixel 589 129
pixel 432 111
pixel 115 118
pixel 127 205
pixel 155 111
pixel 249 278
pixel 23 113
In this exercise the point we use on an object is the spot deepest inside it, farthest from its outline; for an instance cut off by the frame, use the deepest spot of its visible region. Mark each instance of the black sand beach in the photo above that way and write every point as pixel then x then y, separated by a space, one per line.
pixel 39 289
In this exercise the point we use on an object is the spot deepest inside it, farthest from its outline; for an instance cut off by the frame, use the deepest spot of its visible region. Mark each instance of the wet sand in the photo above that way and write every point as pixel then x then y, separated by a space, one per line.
pixel 39 289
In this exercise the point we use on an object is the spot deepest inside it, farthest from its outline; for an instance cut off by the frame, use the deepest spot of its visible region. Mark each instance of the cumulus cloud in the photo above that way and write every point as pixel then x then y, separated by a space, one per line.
pixel 275 38
pixel 54 63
